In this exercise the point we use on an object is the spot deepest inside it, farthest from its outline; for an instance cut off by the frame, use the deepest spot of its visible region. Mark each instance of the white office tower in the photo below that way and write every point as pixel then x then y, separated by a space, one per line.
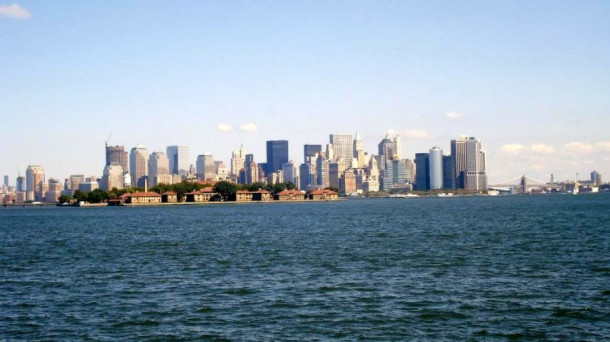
pixel 238 161
pixel 138 165
pixel 113 177
pixel 158 169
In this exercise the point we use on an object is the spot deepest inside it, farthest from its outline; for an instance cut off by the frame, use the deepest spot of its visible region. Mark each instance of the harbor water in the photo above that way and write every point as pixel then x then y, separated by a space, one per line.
pixel 467 268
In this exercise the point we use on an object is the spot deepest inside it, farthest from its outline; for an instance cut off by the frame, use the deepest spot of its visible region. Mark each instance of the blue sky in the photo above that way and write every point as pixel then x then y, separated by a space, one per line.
pixel 531 79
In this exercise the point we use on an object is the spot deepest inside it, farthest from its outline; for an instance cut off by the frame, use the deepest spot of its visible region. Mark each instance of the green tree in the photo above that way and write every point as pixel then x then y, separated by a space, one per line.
pixel 256 186
pixel 97 196
pixel 291 186
pixel 64 199
pixel 277 188
pixel 80 196
pixel 225 189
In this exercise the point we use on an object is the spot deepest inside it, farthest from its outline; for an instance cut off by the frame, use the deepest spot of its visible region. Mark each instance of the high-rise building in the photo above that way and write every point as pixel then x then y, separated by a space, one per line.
pixel 238 160
pixel 395 173
pixel 251 172
pixel 117 154
pixel 6 181
pixel 422 173
pixel 310 152
pixel 290 172
pixel 35 183
pixel 112 177
pixel 20 186
pixel 448 173
pixel 596 178
pixel 322 172
pixel 435 163
pixel 75 180
pixel 397 146
pixel 334 170
pixel 158 168
pixel 343 148
pixel 277 155
pixel 138 165
pixel 386 151
pixel 358 151
pixel 307 173
pixel 206 169
pixel 179 163
pixel 469 163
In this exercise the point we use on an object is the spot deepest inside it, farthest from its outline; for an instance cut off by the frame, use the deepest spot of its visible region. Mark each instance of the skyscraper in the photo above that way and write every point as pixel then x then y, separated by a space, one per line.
pixel 307 174
pixel 6 181
pixel 178 160
pixel 386 151
pixel 277 155
pixel 358 151
pixel 35 183
pixel 448 173
pixel 436 168
pixel 117 154
pixel 138 165
pixel 112 177
pixel 322 172
pixel 422 173
pixel 310 151
pixel 238 160
pixel 469 163
pixel 206 168
pixel 158 168
pixel 397 146
pixel 291 172
pixel 343 148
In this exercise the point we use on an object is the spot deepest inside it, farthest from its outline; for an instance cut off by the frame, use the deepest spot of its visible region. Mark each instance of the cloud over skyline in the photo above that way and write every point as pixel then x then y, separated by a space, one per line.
pixel 224 127
pixel 14 11
pixel 454 116
pixel 249 127
pixel 512 148
pixel 542 148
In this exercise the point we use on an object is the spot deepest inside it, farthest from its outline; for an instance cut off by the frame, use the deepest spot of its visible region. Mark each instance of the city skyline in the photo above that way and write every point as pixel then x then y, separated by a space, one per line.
pixel 530 80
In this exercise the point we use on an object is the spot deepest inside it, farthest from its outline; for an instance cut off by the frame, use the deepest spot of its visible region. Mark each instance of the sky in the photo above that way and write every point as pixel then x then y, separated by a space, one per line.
pixel 531 79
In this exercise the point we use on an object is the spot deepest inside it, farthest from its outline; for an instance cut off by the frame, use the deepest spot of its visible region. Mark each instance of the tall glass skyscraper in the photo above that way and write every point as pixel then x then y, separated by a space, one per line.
pixel 277 155
pixel 178 160
pixel 343 148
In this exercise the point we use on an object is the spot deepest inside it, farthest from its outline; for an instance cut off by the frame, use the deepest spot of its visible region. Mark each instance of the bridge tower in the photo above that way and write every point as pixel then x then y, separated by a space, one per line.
pixel 524 184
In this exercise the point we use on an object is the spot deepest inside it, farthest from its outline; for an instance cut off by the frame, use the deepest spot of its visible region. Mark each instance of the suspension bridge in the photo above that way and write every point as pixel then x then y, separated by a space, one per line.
pixel 524 184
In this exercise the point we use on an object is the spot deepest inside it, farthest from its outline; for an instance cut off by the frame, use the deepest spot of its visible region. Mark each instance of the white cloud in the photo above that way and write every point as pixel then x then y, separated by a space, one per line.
pixel 603 145
pixel 578 147
pixel 512 148
pixel 454 116
pixel 542 148
pixel 249 127
pixel 14 11
pixel 419 134
pixel 224 127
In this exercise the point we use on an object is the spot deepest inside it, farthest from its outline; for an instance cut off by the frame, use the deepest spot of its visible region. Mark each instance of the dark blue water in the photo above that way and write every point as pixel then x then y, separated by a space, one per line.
pixel 503 268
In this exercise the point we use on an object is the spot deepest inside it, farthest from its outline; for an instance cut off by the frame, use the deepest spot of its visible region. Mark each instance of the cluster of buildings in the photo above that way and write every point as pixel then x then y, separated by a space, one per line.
pixel 340 164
